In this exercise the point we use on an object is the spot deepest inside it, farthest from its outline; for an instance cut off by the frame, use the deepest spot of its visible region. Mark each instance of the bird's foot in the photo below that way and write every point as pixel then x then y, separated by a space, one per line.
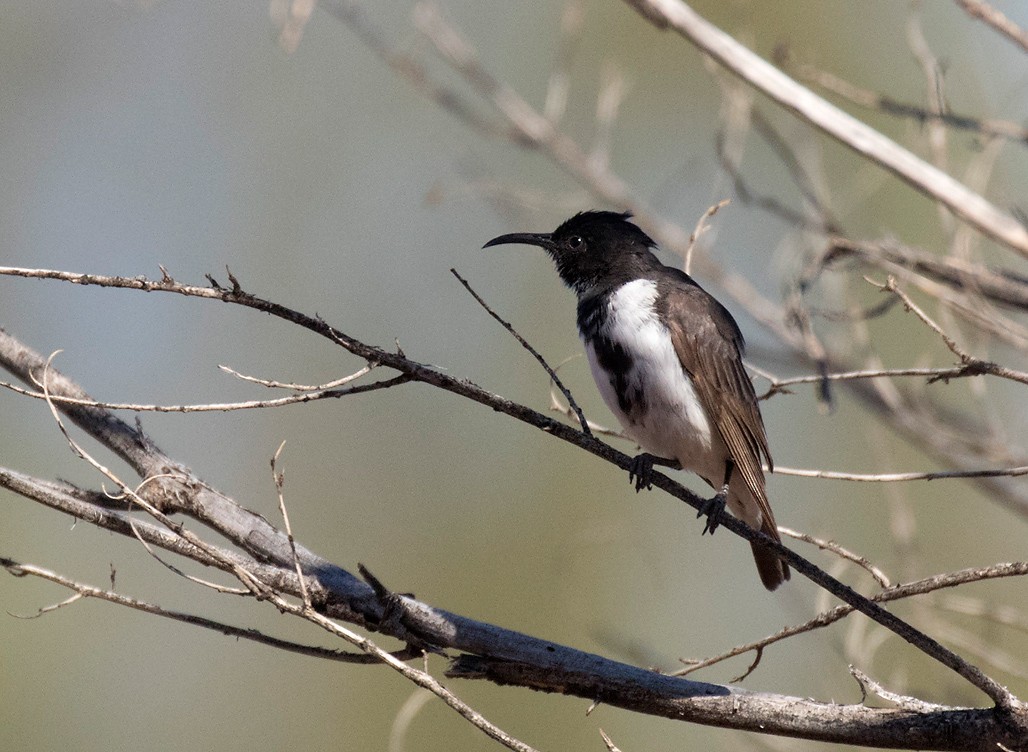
pixel 714 508
pixel 640 471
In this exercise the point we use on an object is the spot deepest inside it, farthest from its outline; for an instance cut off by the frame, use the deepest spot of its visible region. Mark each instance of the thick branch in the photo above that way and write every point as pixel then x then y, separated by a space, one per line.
pixel 511 658
pixel 942 729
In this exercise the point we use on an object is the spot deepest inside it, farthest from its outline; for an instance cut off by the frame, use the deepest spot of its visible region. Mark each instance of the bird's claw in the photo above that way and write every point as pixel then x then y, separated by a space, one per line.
pixel 713 508
pixel 640 471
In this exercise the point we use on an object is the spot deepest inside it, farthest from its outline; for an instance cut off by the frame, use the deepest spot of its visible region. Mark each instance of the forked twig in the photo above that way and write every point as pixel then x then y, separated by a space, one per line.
pixel 969 362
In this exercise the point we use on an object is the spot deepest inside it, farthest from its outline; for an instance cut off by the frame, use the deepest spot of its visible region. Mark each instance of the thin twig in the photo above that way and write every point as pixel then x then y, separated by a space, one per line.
pixel 82 590
pixel 223 589
pixel 835 548
pixel 701 227
pixel 421 678
pixel 271 384
pixel 43 610
pixel 598 429
pixel 1011 472
pixel 294 399
pixel 969 362
pixel 934 374
pixel 896 592
pixel 964 299
pixel 873 100
pixel 279 479
pixel 253 585
pixel 611 747
pixel 1001 472
pixel 554 379
pixel 907 703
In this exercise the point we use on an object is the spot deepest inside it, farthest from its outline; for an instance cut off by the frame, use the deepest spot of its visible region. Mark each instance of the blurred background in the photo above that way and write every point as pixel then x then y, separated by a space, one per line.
pixel 193 135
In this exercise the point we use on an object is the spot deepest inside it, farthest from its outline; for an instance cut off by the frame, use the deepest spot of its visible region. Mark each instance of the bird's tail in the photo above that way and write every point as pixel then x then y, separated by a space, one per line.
pixel 749 503
pixel 773 571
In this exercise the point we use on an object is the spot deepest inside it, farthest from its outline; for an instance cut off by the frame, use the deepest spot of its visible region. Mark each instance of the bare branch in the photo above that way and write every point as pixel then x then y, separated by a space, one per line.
pixel 907 703
pixel 406 67
pixel 611 747
pixel 971 363
pixel 866 141
pixel 933 374
pixel 873 100
pixel 793 716
pixel 19 569
pixel 984 12
pixel 701 227
pixel 554 379
pixel 896 592
pixel 296 399
pixel 1011 472
pixel 342 381
pixel 844 553
pixel 44 609
pixel 432 376
pixel 279 479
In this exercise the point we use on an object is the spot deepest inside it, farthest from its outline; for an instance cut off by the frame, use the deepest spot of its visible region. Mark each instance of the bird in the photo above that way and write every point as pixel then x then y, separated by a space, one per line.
pixel 666 357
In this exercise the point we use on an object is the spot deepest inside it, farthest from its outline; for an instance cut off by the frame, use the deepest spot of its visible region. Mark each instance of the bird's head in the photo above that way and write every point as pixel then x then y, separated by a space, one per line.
pixel 591 248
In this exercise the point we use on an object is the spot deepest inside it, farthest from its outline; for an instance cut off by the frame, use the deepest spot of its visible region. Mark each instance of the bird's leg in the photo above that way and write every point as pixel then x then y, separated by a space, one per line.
pixel 640 471
pixel 715 506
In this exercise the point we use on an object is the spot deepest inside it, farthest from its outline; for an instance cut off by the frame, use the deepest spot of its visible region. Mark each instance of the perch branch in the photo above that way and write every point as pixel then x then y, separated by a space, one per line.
pixel 427 374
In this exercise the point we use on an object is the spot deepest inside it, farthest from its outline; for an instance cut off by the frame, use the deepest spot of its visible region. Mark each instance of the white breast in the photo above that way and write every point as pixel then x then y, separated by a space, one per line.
pixel 671 423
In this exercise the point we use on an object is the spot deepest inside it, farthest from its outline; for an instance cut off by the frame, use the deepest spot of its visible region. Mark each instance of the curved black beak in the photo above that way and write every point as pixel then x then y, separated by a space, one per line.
pixel 541 239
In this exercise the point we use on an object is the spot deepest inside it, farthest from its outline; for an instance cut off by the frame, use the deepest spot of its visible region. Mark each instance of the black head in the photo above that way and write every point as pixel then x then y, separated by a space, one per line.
pixel 593 248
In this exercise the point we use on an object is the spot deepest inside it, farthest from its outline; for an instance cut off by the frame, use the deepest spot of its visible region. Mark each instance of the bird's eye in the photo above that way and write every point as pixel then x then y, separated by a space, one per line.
pixel 575 241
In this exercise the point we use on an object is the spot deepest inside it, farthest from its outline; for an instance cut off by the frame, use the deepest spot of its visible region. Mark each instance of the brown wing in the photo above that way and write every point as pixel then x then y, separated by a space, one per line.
pixel 709 345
